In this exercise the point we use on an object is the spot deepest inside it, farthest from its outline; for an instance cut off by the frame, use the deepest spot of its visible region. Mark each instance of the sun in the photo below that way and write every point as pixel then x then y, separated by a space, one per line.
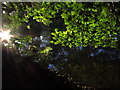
pixel 5 35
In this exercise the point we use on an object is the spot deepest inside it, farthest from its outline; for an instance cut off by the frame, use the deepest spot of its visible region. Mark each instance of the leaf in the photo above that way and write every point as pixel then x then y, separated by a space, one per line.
pixel 65 32
pixel 56 42
pixel 53 12
pixel 73 13
pixel 66 23
pixel 69 39
pixel 38 20
pixel 103 37
pixel 114 33
pixel 51 41
pixel 54 38
pixel 53 34
pixel 104 11
pixel 94 10
pixel 70 45
pixel 28 26
pixel 49 16
pixel 63 15
pixel 56 29
pixel 35 17
pixel 49 48
pixel 48 3
pixel 61 34
pixel 108 32
pixel 21 45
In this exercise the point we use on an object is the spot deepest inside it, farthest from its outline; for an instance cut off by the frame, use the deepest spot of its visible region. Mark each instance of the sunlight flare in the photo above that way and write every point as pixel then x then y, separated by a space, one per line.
pixel 5 35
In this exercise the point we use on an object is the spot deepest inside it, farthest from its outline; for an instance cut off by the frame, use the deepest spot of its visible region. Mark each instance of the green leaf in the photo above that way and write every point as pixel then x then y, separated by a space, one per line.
pixel 56 42
pixel 65 32
pixel 69 39
pixel 63 15
pixel 49 16
pixel 114 33
pixel 73 13
pixel 108 32
pixel 21 45
pixel 53 12
pixel 103 37
pixel 94 10
pixel 56 29
pixel 38 20
pixel 35 17
pixel 66 23
pixel 53 34
pixel 28 26
pixel 70 45
pixel 51 41
pixel 54 38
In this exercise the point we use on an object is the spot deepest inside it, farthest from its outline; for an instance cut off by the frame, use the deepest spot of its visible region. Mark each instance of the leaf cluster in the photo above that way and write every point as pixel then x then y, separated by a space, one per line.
pixel 87 24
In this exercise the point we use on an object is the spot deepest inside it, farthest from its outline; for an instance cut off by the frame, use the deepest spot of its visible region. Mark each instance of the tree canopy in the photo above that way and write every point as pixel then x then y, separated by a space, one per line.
pixel 71 24
pixel 87 24
pixel 92 24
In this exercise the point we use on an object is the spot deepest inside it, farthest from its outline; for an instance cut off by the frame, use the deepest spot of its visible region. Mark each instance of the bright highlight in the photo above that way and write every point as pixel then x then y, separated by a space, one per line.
pixel 5 35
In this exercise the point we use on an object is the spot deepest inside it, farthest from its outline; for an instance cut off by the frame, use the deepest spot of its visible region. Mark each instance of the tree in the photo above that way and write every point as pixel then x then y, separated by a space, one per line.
pixel 87 24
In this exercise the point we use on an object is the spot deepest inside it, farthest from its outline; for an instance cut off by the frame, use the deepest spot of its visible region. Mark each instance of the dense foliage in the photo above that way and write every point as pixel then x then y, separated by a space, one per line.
pixel 99 70
pixel 87 24
pixel 72 24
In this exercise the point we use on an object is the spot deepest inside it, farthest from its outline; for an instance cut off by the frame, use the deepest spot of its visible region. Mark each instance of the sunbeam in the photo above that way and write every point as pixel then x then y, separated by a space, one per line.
pixel 5 35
